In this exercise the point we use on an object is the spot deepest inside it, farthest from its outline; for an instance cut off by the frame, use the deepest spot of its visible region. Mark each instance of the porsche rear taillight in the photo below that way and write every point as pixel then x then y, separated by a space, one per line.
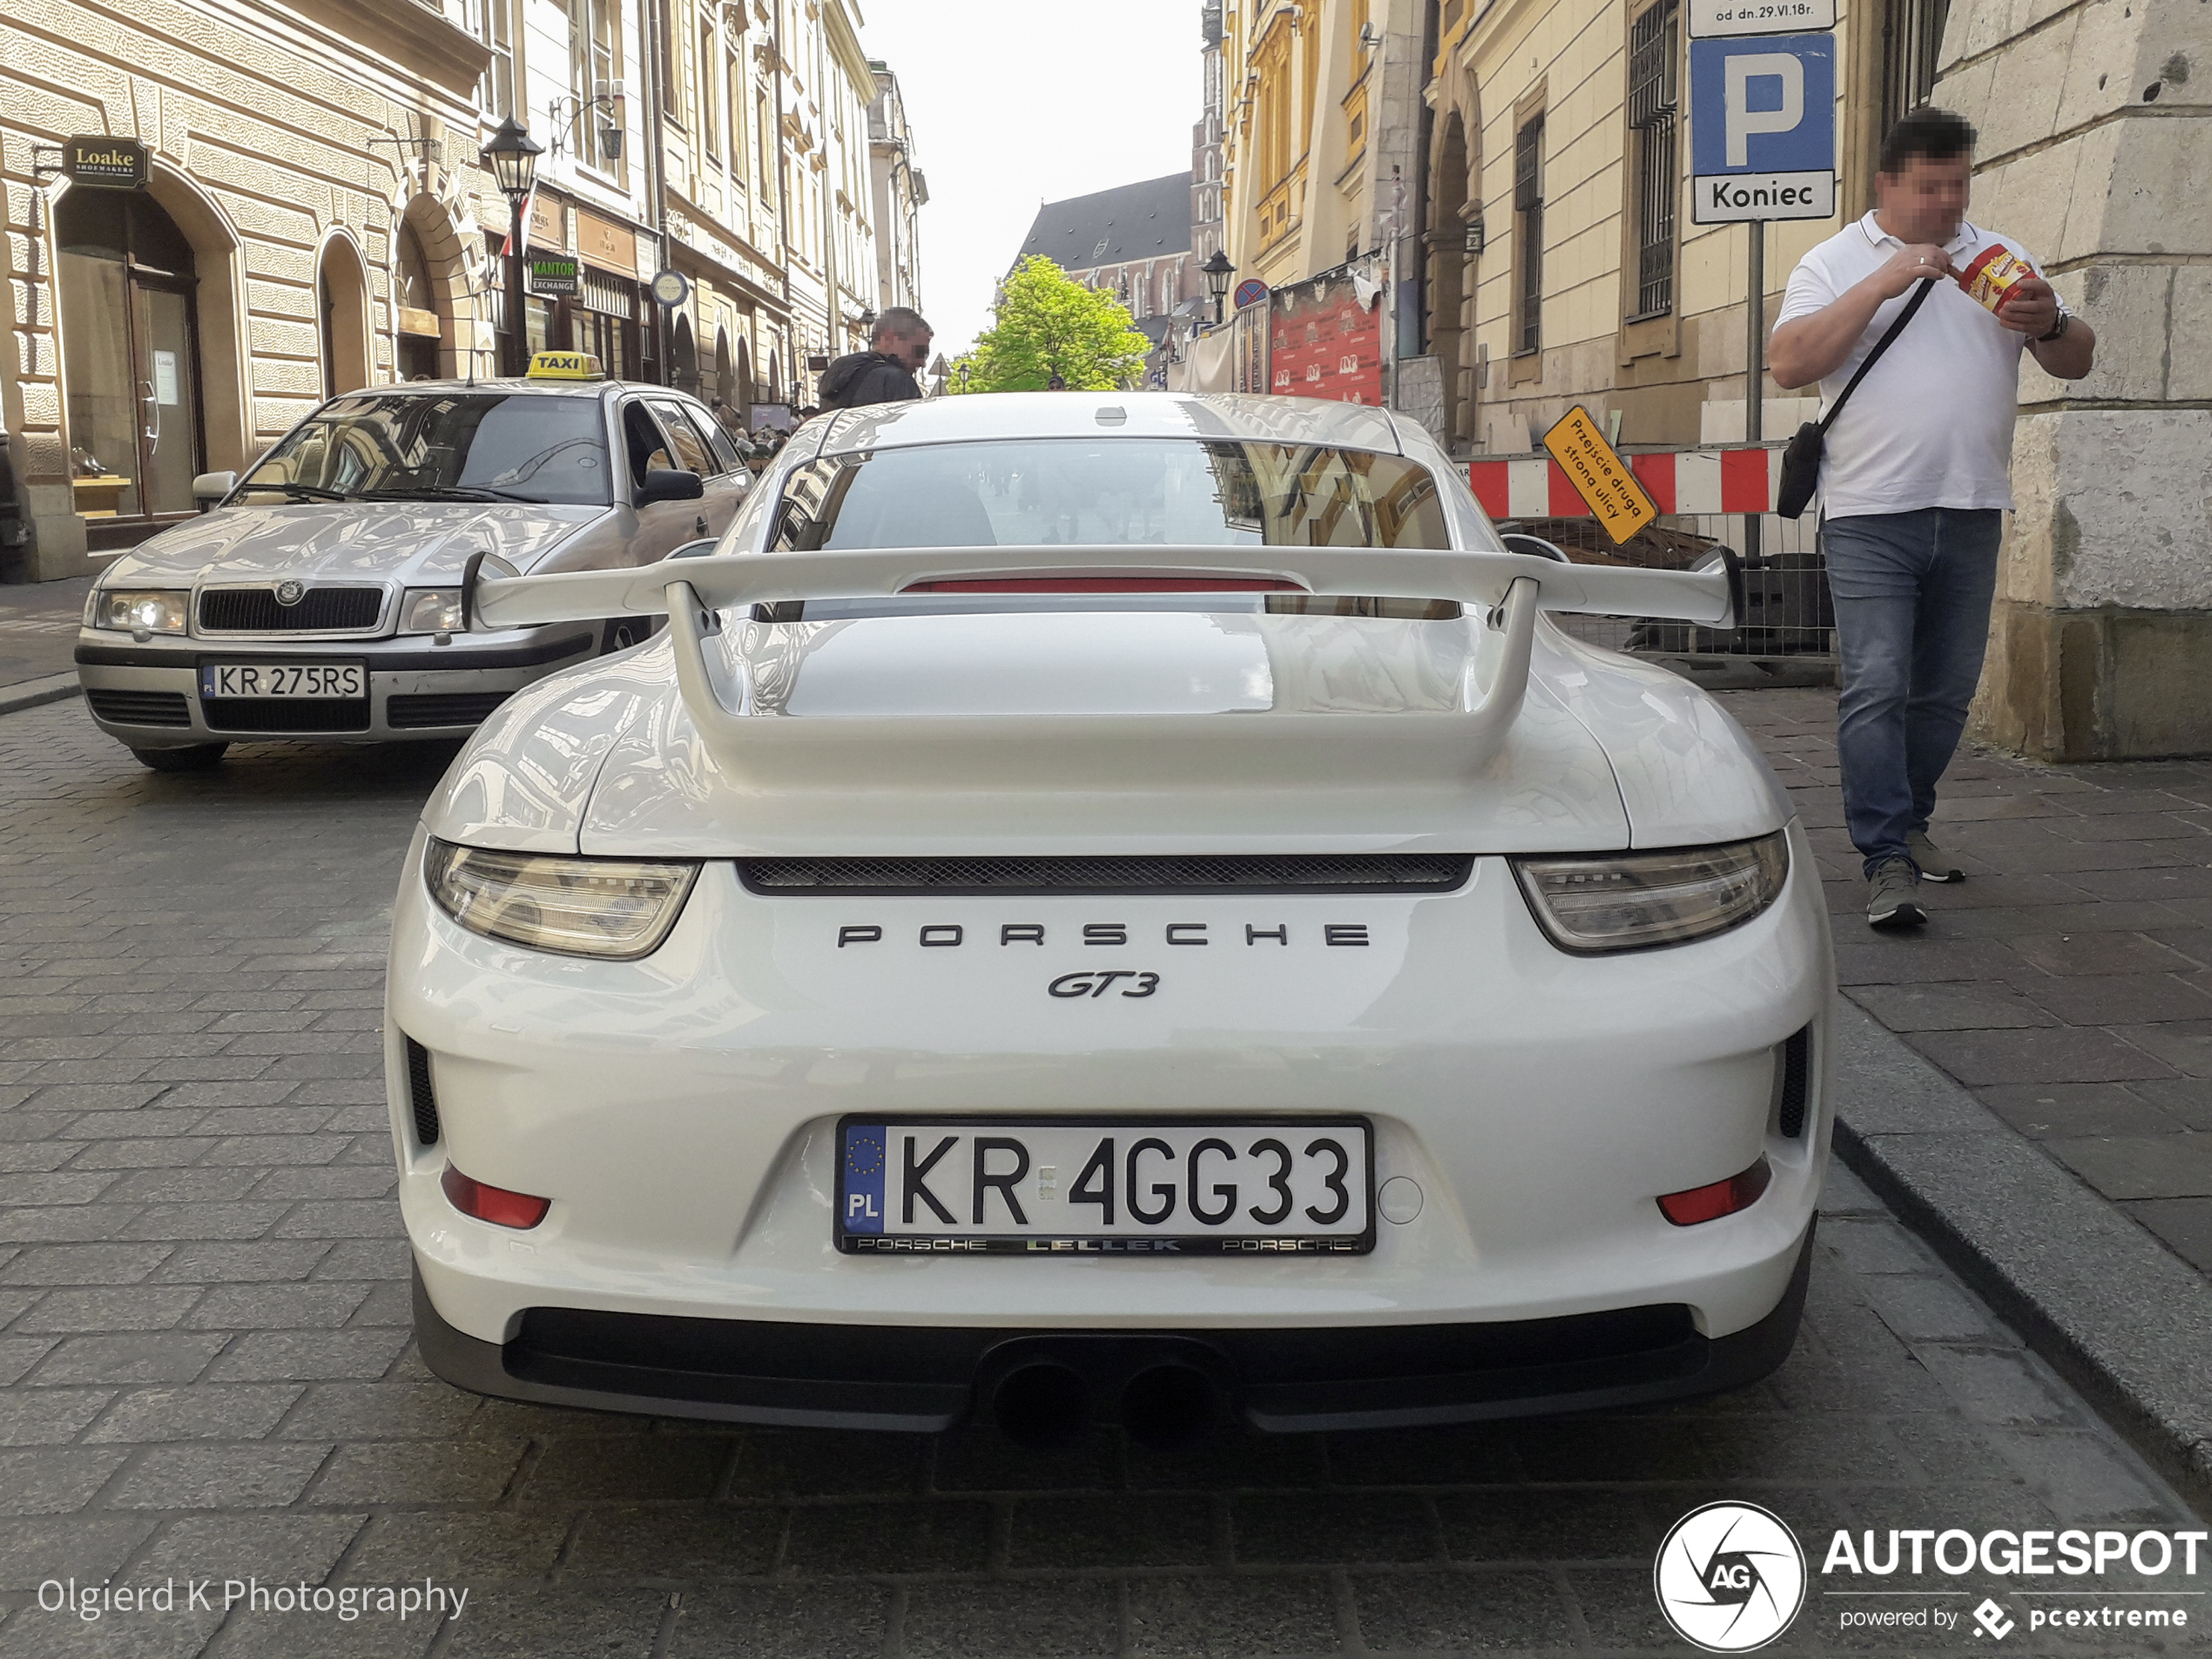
pixel 1721 1198
pixel 495 1204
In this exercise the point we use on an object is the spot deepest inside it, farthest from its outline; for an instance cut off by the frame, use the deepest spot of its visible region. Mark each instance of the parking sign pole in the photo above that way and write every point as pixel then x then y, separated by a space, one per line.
pixel 1754 366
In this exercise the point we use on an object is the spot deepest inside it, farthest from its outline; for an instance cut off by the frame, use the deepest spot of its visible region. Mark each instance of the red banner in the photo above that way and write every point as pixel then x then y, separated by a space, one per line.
pixel 1326 343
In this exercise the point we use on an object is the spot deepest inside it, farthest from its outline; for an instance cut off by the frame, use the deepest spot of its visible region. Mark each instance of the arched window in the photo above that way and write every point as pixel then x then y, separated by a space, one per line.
pixel 341 302
pixel 419 327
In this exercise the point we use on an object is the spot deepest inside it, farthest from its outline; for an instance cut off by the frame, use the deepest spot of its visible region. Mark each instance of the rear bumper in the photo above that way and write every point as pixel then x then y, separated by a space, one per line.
pixel 148 696
pixel 926 1378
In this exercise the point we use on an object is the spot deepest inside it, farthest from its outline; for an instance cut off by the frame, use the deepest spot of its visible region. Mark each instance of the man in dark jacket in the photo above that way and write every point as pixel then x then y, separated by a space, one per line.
pixel 883 373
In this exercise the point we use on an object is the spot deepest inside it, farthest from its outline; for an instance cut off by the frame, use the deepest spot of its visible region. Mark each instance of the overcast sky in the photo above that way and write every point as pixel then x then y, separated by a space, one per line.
pixel 1016 101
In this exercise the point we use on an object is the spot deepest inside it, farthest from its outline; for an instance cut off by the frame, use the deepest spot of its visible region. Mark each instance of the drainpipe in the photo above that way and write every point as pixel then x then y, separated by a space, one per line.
pixel 655 168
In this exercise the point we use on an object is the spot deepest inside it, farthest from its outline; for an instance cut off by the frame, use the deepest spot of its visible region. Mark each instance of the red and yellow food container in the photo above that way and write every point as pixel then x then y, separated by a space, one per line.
pixel 1995 273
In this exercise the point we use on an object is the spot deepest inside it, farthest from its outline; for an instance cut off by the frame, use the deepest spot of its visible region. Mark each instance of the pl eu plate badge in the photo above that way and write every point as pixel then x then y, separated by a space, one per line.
pixel 864 1157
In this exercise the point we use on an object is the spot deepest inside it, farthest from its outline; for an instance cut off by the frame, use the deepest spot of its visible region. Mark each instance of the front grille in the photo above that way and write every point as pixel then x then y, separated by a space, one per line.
pixel 140 708
pixel 1294 873
pixel 1796 1084
pixel 285 714
pixel 420 1100
pixel 255 610
pixel 444 708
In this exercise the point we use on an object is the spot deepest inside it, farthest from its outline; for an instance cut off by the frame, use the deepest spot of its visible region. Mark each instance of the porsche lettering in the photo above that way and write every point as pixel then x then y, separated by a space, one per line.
pixel 950 936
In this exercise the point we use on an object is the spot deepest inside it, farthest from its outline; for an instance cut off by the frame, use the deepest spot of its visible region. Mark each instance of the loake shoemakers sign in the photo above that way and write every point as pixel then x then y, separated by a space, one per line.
pixel 112 164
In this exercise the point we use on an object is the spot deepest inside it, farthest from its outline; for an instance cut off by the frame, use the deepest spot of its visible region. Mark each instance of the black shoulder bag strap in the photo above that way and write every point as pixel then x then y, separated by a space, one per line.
pixel 1801 460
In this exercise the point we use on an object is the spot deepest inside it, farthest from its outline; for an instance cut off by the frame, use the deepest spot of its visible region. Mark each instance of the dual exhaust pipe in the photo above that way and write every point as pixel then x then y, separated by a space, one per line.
pixel 1167 1395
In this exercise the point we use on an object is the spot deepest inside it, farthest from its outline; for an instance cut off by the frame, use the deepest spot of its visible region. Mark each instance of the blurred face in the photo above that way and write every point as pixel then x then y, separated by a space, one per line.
pixel 1926 200
pixel 912 350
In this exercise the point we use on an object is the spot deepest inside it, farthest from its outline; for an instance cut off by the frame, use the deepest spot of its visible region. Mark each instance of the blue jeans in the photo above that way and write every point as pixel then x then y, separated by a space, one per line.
pixel 1913 593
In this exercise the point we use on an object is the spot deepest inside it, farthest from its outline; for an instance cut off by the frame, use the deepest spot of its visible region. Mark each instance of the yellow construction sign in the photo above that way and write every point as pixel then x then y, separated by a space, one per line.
pixel 1599 475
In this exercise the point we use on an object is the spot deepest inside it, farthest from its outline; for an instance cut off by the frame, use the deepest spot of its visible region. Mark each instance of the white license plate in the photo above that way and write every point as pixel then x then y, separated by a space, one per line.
pixel 1122 1186
pixel 284 679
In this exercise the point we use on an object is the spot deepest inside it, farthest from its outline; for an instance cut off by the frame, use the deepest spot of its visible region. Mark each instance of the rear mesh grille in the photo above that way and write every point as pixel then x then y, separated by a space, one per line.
pixel 255 610
pixel 1797 1083
pixel 1348 872
pixel 141 708
pixel 446 708
pixel 285 714
pixel 420 1098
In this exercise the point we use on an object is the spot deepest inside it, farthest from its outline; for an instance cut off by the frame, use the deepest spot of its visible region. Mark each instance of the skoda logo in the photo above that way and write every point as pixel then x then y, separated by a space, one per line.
pixel 1729 1577
pixel 289 592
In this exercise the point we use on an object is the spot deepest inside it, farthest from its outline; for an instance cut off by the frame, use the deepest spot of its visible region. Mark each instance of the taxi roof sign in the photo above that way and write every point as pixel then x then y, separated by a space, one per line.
pixel 1615 495
pixel 564 365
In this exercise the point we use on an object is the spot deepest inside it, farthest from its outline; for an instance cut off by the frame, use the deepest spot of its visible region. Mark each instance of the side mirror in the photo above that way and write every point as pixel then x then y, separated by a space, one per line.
pixel 471 573
pixel 211 487
pixel 664 485
pixel 695 550
pixel 1535 546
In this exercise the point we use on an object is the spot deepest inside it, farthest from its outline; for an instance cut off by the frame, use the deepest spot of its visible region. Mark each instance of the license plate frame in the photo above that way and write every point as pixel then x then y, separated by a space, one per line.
pixel 303 682
pixel 1063 1242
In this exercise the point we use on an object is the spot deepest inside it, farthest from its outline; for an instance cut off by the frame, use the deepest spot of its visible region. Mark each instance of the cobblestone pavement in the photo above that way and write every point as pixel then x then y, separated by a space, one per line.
pixel 2067 981
pixel 205 1371
pixel 38 628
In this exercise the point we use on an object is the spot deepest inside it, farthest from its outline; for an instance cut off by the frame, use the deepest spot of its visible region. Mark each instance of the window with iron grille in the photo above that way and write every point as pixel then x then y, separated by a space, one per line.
pixel 1655 52
pixel 1911 37
pixel 1528 208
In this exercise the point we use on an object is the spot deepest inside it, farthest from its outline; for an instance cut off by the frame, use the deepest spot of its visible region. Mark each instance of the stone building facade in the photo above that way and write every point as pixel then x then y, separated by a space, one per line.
pixel 316 219
pixel 898 192
pixel 310 223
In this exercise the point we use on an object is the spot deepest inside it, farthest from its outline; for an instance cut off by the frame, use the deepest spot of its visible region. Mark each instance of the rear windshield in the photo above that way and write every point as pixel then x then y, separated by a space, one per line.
pixel 1117 492
pixel 1123 492
pixel 442 446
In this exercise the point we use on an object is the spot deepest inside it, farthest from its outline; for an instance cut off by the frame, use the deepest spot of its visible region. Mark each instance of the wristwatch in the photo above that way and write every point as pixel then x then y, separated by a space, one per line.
pixel 2058 328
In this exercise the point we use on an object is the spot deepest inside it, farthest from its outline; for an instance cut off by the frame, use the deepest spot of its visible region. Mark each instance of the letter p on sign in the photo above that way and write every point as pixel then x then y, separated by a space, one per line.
pixel 1742 120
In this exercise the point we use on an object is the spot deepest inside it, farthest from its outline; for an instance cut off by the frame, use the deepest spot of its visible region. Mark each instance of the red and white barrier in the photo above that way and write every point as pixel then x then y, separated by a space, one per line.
pixel 1741 480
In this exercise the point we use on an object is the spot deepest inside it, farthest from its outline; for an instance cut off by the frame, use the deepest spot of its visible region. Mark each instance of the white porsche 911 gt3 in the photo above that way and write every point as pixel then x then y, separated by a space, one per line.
pixel 1108 908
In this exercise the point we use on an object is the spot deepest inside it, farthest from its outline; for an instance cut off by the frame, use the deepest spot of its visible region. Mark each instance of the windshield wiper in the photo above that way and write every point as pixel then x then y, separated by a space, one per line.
pixel 449 492
pixel 310 492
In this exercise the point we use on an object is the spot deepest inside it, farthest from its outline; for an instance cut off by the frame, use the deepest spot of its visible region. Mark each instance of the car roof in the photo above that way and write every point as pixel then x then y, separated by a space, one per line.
pixel 510 383
pixel 1224 416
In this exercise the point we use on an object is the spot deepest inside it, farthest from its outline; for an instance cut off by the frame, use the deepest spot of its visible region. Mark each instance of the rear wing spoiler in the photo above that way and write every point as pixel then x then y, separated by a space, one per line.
pixel 1104 752
pixel 724 581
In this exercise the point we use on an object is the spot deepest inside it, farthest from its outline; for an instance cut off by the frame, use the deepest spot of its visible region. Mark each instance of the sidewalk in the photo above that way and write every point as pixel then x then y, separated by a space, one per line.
pixel 2065 989
pixel 38 628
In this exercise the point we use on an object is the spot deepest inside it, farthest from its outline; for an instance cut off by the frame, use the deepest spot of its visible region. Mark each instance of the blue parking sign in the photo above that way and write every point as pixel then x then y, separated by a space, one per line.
pixel 1762 128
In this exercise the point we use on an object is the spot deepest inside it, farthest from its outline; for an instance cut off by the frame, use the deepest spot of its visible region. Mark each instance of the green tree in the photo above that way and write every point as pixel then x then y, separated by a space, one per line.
pixel 1049 324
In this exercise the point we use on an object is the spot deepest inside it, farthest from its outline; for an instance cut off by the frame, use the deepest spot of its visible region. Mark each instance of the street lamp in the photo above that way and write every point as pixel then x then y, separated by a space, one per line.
pixel 1218 271
pixel 512 156
pixel 964 371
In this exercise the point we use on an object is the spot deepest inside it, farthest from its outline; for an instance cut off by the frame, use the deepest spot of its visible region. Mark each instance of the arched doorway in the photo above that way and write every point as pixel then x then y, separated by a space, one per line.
pixel 131 355
pixel 342 301
pixel 1447 275
pixel 420 326
pixel 684 358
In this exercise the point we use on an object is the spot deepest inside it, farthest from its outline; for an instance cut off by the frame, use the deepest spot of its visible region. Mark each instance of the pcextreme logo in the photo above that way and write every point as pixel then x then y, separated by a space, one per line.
pixel 1731 1577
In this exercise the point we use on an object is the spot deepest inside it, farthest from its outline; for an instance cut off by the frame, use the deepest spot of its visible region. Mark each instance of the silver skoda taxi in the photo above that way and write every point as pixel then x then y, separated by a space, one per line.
pixel 321 597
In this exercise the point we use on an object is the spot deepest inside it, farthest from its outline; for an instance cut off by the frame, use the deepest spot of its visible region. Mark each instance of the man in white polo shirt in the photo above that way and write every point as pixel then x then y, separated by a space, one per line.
pixel 1915 481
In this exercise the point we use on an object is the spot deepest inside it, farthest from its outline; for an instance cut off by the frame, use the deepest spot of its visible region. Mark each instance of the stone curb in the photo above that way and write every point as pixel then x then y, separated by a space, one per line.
pixel 2101 1300
pixel 29 694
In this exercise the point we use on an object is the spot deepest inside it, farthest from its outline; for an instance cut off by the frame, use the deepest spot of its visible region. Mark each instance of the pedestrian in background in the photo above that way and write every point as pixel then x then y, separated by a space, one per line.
pixel 1915 479
pixel 898 346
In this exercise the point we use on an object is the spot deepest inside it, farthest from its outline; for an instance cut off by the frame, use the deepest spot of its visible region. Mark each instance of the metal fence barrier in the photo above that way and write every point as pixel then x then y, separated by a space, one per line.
pixel 1786 636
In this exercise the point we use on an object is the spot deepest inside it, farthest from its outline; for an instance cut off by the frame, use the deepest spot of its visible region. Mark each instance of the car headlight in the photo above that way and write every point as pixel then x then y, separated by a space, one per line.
pixel 1633 901
pixel 128 609
pixel 615 908
pixel 431 610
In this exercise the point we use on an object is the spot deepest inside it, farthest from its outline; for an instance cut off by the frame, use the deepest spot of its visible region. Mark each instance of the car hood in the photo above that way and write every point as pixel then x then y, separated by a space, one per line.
pixel 606 761
pixel 422 543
